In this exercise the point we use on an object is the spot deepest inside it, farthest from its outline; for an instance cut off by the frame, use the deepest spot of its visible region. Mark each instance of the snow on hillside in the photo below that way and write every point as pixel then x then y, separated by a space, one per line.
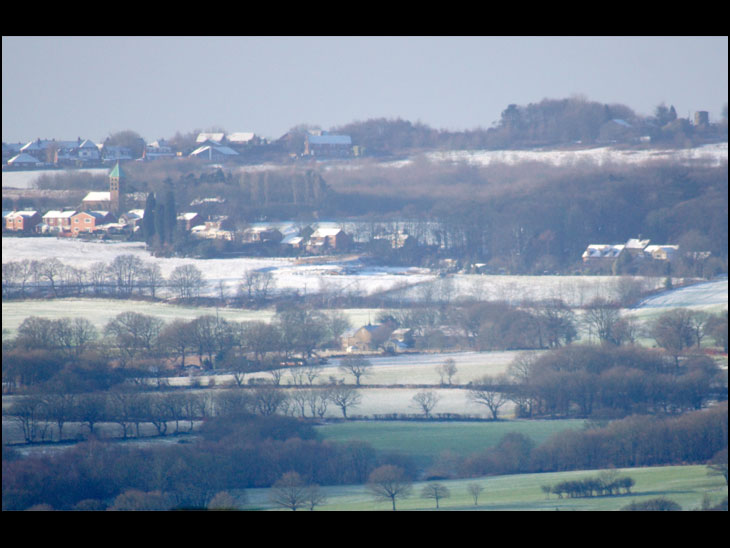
pixel 714 292
pixel 289 274
pixel 343 277
pixel 715 154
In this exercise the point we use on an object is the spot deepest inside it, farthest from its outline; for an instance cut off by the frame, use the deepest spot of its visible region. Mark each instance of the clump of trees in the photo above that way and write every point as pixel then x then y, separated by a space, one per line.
pixel 608 483
pixel 609 381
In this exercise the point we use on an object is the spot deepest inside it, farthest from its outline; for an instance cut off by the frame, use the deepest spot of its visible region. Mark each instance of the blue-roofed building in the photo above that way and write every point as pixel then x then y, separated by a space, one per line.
pixel 327 144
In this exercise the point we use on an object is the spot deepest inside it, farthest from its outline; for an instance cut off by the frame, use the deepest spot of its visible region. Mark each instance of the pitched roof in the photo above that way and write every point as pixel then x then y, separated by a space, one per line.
pixel 220 149
pixel 240 137
pixel 24 213
pixel 598 251
pixel 321 232
pixel 97 197
pixel 635 243
pixel 215 137
pixel 59 214
pixel 23 158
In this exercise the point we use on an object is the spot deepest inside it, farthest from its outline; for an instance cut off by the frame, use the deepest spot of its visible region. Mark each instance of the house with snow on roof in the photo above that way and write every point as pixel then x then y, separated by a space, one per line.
pixel 214 152
pixel 159 149
pixel 24 160
pixel 189 219
pixel 22 221
pixel 325 239
pixel 367 337
pixel 57 221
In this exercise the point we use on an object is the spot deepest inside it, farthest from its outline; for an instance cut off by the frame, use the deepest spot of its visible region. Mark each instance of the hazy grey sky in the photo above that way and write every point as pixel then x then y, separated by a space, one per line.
pixel 90 87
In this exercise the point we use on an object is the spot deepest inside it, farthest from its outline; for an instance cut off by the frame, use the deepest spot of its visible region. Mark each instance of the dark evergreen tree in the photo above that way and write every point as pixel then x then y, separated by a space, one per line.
pixel 170 216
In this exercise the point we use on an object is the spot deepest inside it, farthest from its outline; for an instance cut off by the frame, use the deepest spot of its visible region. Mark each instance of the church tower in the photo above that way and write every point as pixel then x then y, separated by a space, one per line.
pixel 116 191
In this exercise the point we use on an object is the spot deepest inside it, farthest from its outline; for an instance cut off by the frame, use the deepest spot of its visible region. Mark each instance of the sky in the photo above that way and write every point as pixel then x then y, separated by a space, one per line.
pixel 64 87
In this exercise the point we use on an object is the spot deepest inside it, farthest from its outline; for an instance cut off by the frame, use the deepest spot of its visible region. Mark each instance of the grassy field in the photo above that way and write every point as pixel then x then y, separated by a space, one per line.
pixel 686 485
pixel 423 441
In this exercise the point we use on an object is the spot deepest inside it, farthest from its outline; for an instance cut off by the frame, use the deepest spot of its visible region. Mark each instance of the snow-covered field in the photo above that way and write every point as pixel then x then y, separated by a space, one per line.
pixel 289 274
pixel 714 154
pixel 711 293
pixel 343 277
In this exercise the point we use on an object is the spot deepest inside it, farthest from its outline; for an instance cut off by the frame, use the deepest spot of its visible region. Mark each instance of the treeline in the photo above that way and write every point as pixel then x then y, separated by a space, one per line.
pixel 634 441
pixel 138 409
pixel 549 122
pixel 235 453
pixel 243 451
pixel 43 350
pixel 124 277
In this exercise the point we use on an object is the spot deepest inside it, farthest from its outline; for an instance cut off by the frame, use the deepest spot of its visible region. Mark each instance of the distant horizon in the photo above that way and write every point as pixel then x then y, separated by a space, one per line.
pixel 272 138
pixel 65 87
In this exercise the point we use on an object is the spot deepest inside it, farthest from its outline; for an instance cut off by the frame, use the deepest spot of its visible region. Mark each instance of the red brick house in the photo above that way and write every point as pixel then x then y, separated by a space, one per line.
pixel 22 221
pixel 59 220
pixel 88 221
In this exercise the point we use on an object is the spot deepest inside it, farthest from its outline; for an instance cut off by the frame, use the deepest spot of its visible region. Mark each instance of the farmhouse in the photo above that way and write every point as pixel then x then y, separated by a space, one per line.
pixel 325 238
pixel 635 249
pixel 661 252
pixel 261 234
pixel 188 220
pixel 367 337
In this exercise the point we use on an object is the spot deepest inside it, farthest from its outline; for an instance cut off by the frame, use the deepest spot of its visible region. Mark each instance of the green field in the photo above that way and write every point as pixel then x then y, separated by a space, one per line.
pixel 685 485
pixel 423 441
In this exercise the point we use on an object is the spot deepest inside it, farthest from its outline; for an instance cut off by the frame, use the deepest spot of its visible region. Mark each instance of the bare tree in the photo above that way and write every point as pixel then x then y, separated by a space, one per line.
pixel 59 408
pixel 435 491
pixel 176 337
pixel 256 284
pixel 358 366
pixel 187 281
pixel 475 489
pixel 426 401
pixel 318 400
pixel 151 277
pixel 135 334
pixel 488 391
pixel 315 496
pixel 344 397
pixel 290 491
pixel 447 370
pixel 390 483
pixel 126 270
pixel 268 399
